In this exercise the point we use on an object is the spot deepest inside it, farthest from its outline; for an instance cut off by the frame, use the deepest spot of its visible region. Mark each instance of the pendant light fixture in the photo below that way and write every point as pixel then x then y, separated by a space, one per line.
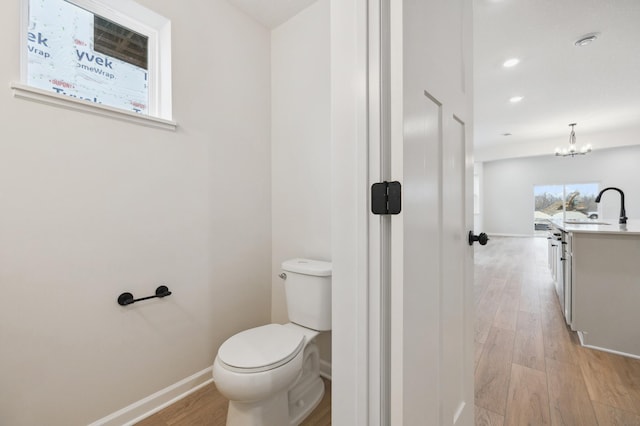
pixel 573 150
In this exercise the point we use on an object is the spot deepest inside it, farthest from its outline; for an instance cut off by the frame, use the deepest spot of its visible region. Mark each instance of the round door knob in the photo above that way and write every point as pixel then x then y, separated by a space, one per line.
pixel 482 238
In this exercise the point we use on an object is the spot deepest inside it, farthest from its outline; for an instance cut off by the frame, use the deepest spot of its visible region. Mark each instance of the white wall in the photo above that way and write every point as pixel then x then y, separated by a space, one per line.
pixel 301 150
pixel 91 207
pixel 507 188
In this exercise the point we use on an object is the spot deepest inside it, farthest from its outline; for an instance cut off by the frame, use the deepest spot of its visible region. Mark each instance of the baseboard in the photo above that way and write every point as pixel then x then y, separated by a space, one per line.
pixel 598 348
pixel 144 408
pixel 325 369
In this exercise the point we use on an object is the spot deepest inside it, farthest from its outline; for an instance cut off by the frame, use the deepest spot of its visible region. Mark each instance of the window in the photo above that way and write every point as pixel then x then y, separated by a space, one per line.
pixel 117 57
pixel 120 42
pixel 569 201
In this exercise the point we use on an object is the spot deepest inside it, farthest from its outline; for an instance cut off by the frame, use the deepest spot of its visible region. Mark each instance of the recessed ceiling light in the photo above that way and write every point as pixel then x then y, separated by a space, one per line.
pixel 586 39
pixel 515 99
pixel 511 62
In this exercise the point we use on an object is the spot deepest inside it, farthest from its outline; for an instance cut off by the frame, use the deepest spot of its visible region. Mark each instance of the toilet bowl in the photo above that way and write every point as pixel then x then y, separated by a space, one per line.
pixel 271 373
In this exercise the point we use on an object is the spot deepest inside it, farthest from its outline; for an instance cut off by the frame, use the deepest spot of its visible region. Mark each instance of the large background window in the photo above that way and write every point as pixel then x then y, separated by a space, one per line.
pixel 567 201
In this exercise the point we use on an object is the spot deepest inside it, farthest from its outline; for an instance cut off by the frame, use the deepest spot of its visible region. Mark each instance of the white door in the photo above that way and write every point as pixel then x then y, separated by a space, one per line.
pixel 431 260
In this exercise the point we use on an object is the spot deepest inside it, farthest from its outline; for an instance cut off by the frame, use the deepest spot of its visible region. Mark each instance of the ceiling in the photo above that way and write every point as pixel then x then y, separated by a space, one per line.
pixel 596 86
pixel 272 13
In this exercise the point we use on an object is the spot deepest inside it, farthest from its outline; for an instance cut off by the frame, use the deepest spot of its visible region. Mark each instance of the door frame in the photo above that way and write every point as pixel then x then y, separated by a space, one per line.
pixel 379 254
pixel 362 54
pixel 360 348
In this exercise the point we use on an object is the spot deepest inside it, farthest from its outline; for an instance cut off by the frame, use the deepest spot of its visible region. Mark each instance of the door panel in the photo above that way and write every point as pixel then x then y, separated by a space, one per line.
pixel 454 246
pixel 422 152
pixel 431 261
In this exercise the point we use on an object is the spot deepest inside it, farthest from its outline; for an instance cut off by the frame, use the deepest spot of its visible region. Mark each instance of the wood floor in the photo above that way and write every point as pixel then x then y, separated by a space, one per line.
pixel 530 368
pixel 206 407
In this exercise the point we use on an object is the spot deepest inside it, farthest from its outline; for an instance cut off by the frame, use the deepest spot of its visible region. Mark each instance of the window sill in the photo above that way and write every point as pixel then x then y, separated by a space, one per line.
pixel 37 95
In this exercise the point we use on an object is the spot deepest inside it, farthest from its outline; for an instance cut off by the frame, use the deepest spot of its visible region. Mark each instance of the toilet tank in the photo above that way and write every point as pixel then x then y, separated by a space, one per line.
pixel 308 291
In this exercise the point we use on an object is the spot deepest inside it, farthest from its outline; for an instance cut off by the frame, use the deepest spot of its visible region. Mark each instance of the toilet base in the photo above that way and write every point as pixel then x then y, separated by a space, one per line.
pixel 261 413
pixel 304 402
pixel 308 390
pixel 286 408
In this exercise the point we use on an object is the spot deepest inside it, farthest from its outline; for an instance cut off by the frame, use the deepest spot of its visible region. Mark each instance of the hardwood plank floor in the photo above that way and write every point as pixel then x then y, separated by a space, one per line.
pixel 488 418
pixel 493 371
pixel 528 400
pixel 203 407
pixel 613 416
pixel 552 380
pixel 570 403
pixel 528 348
pixel 530 368
pixel 206 407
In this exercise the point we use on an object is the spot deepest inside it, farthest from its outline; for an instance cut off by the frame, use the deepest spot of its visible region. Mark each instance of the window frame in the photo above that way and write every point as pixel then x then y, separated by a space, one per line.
pixel 137 18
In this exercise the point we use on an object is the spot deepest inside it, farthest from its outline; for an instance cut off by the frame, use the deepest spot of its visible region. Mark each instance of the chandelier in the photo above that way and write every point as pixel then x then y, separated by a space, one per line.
pixel 573 150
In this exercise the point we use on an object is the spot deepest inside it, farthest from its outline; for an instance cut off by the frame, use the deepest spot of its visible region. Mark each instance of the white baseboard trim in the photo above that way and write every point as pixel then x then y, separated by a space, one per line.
pixel 325 369
pixel 140 410
pixel 598 348
pixel 144 408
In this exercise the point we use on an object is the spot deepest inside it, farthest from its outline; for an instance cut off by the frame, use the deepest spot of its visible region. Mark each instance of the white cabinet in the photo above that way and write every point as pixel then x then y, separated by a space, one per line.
pixel 606 291
pixel 559 264
pixel 568 279
pixel 596 273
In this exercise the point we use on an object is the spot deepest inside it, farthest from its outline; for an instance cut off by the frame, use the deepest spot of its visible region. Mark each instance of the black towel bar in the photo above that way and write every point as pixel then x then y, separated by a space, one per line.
pixel 127 298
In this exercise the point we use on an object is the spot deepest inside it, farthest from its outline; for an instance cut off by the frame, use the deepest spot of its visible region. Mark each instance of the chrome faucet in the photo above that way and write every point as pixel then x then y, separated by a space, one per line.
pixel 623 213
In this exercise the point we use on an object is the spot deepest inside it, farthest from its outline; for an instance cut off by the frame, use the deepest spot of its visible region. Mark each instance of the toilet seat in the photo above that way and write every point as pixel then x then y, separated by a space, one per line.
pixel 261 349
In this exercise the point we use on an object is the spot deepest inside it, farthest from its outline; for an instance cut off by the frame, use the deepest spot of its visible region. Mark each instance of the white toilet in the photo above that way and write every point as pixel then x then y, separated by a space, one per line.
pixel 271 374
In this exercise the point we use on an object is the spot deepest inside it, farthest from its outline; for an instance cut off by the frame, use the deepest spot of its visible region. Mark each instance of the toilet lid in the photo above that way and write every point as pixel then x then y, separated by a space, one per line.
pixel 261 348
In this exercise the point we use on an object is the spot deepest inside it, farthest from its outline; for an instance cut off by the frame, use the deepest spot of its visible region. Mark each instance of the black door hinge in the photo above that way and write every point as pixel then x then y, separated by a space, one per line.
pixel 386 198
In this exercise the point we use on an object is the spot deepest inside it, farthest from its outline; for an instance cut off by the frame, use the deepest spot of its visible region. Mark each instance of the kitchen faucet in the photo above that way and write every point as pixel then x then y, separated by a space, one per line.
pixel 623 213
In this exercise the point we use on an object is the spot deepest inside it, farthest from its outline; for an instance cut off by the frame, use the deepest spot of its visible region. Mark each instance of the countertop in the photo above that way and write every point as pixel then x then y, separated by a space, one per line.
pixel 602 226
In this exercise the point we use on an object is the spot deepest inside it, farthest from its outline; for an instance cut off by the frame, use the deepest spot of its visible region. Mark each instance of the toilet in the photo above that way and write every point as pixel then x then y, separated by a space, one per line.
pixel 271 373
